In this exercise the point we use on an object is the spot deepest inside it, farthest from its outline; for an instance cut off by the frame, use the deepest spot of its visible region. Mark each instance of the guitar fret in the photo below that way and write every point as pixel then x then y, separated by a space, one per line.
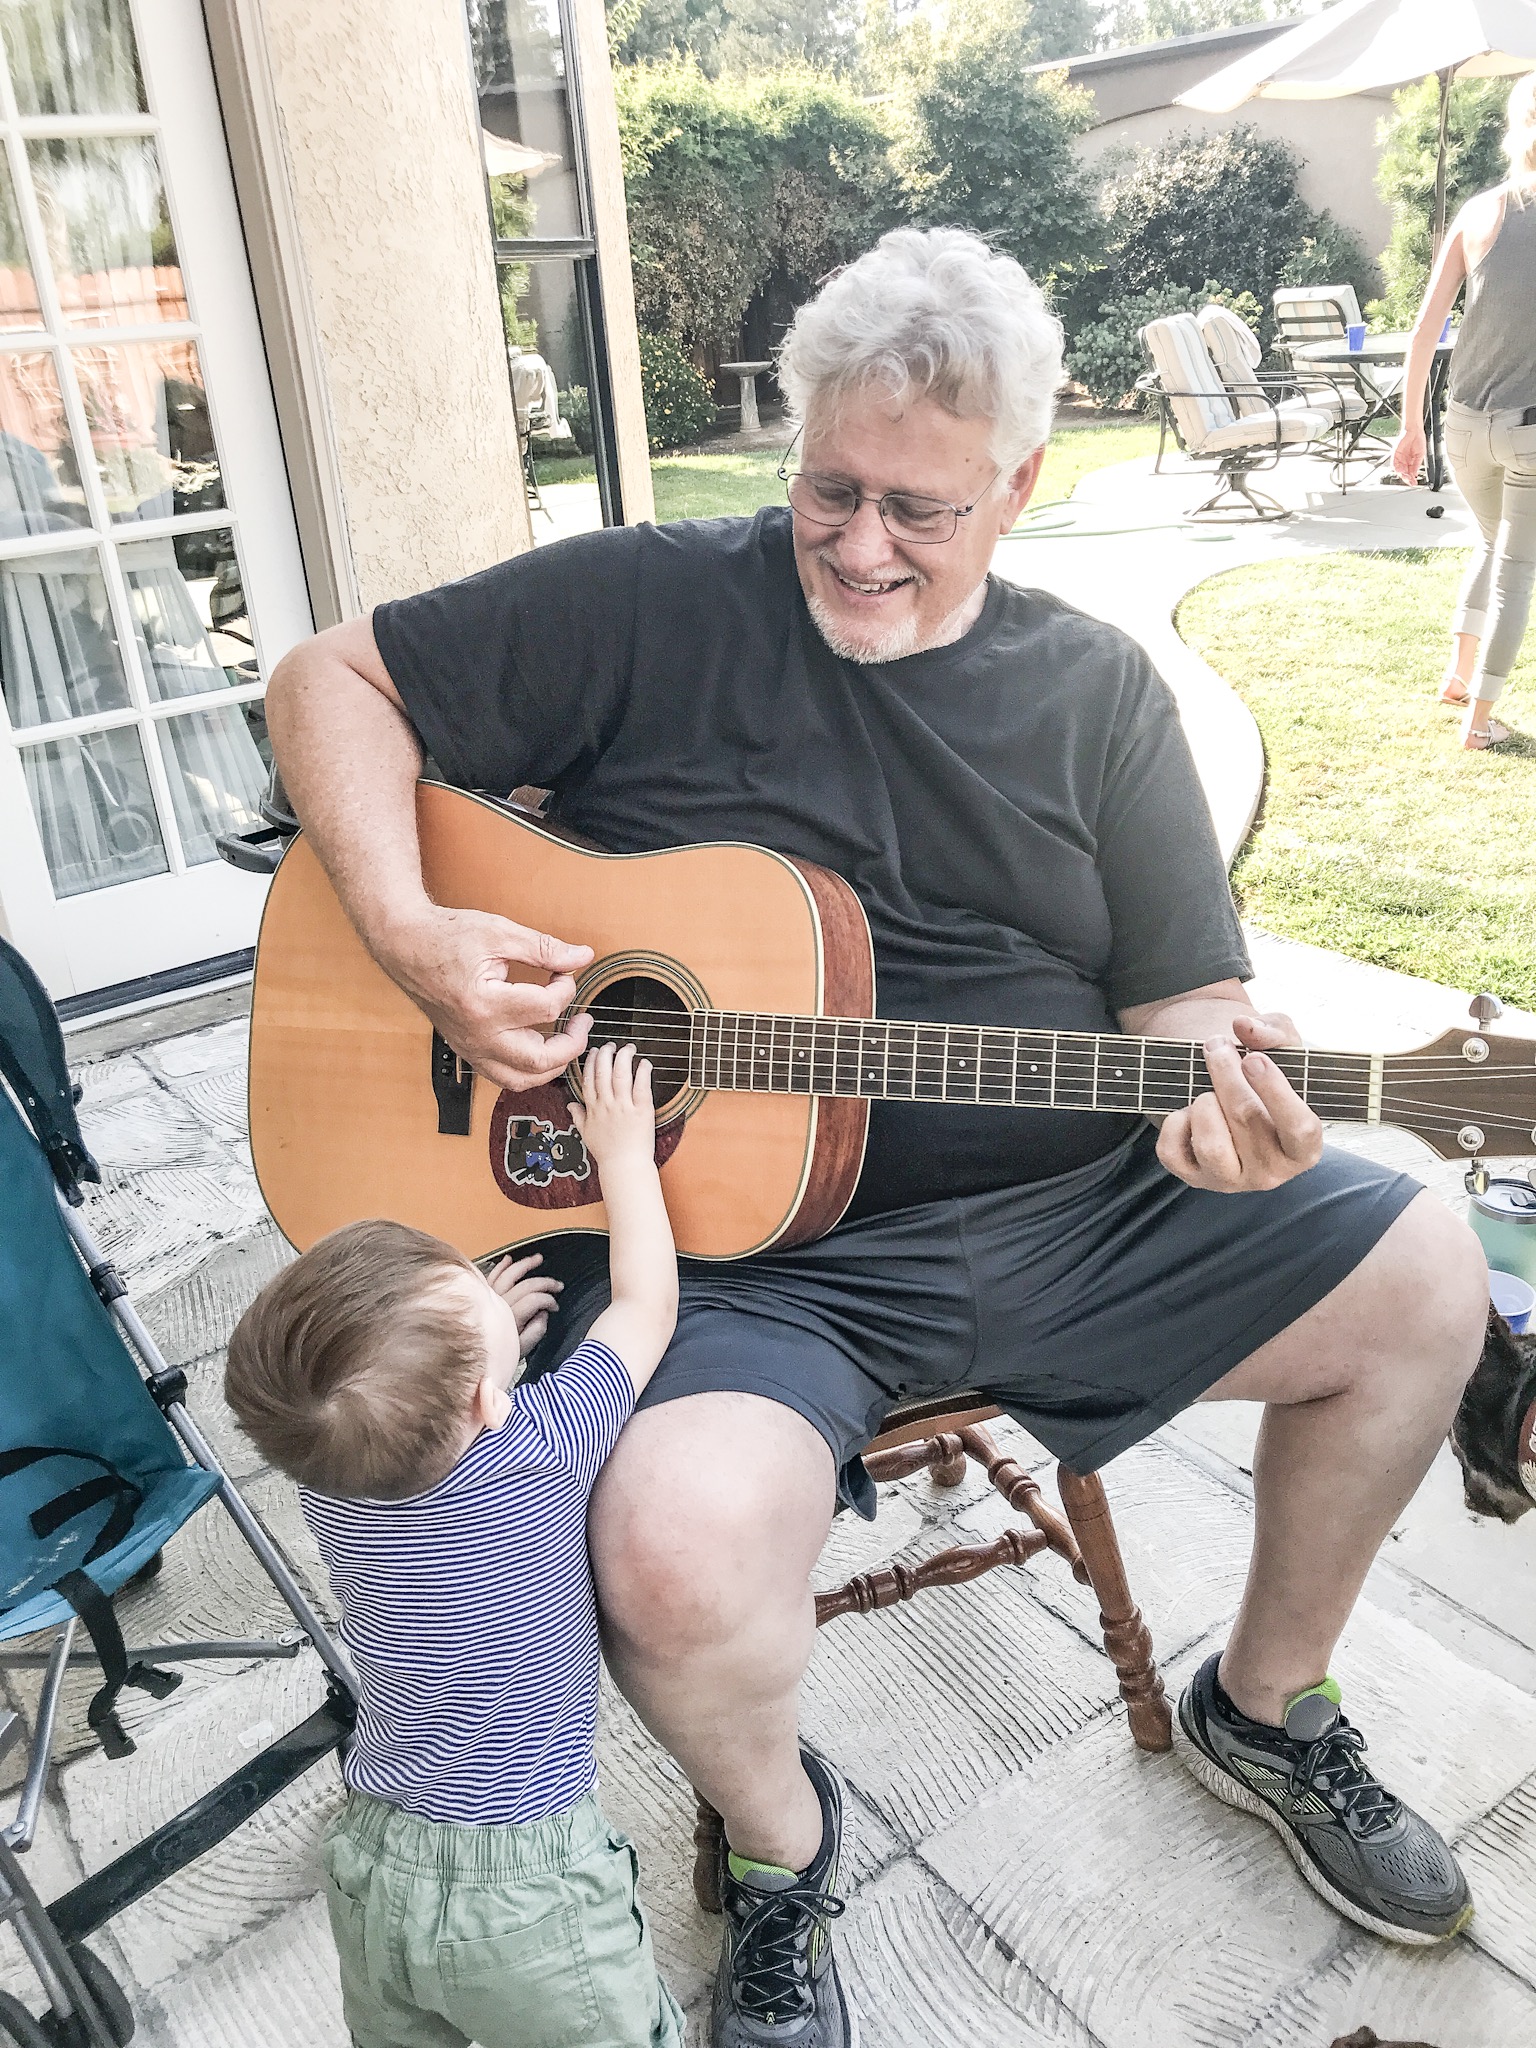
pixel 994 1065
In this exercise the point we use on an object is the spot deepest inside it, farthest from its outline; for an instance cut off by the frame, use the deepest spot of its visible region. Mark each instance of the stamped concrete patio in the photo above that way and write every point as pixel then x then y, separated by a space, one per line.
pixel 1020 1874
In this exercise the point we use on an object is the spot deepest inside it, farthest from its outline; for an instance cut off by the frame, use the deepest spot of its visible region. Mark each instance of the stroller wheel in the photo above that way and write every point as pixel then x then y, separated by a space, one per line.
pixel 108 1994
pixel 18 2025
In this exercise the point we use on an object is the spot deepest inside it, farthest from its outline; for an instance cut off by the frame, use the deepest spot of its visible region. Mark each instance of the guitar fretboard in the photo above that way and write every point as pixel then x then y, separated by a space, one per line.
pixel 890 1061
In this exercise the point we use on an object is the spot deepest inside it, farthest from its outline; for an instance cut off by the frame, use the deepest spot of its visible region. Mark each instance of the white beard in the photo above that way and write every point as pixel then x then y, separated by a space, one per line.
pixel 896 645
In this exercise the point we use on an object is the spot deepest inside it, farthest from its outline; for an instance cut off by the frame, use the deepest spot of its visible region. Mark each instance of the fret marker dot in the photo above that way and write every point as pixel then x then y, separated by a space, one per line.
pixel 1119 1073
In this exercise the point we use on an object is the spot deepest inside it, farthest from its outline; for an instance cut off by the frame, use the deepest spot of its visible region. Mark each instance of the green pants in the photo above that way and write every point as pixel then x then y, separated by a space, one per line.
pixel 512 1937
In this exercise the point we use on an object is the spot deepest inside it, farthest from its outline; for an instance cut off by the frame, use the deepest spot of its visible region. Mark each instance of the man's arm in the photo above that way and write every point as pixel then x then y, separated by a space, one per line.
pixel 349 759
pixel 1253 1131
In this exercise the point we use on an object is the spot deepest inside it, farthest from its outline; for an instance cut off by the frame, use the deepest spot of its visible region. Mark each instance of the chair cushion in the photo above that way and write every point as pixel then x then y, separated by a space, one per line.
pixel 1200 401
pixel 1235 350
pixel 1299 422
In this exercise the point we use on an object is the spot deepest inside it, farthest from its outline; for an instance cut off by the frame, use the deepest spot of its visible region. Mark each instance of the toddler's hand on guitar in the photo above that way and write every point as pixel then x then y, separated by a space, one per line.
pixel 617 1119
pixel 454 966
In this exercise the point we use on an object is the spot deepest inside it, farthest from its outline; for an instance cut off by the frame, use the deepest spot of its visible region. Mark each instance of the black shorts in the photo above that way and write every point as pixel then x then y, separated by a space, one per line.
pixel 1091 1307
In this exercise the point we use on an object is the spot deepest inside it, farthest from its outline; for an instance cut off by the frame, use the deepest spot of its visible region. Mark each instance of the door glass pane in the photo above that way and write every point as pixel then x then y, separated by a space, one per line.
pixel 150 431
pixel 543 320
pixel 217 777
pixel 108 230
pixel 94 810
pixel 18 290
pixel 525 117
pixel 59 655
pixel 72 56
pixel 189 611
pixel 39 479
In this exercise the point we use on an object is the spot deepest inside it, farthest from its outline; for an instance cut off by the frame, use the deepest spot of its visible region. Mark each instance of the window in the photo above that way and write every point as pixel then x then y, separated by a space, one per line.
pixel 541 222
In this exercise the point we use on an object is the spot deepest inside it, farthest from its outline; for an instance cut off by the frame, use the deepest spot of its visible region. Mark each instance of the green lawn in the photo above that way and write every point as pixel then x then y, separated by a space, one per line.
pixel 704 486
pixel 1379 836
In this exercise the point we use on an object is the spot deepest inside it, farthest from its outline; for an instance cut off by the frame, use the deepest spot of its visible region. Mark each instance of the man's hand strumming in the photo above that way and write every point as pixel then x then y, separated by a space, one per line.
pixel 1254 1131
pixel 454 965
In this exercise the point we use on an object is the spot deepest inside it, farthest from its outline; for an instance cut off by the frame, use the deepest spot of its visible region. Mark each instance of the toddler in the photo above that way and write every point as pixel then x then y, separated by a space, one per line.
pixel 476 1892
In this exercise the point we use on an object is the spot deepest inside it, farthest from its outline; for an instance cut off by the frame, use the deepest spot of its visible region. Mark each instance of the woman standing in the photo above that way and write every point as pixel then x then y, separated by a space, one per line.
pixel 1490 427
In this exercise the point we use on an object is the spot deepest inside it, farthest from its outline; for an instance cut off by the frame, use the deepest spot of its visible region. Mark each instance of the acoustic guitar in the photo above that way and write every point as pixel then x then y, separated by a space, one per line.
pixel 747 978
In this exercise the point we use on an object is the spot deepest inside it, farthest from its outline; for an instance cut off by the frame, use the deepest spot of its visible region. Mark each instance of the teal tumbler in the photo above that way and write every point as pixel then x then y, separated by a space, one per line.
pixel 1505 1220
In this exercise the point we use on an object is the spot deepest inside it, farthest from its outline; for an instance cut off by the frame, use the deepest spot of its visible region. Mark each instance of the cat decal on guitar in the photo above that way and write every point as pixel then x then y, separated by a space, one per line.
pixel 747 978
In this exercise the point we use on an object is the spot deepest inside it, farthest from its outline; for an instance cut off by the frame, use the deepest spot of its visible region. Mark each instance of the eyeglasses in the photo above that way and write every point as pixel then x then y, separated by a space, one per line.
pixel 905 515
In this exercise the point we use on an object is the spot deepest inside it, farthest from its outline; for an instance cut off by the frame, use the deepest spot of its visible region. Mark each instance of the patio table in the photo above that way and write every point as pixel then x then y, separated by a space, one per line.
pixel 1390 351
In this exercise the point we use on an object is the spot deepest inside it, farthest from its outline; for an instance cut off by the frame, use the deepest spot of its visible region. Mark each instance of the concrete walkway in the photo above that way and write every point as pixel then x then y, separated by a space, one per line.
pixel 1020 1876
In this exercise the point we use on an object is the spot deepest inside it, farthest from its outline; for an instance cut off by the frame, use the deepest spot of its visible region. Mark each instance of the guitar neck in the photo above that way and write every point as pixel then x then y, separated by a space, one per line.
pixel 981 1063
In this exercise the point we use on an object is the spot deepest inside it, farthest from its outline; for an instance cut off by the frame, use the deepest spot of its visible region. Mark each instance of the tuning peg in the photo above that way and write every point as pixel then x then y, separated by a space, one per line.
pixel 1484 1009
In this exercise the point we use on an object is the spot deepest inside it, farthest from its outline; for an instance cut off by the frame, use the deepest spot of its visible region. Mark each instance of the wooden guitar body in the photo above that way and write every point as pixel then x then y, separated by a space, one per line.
pixel 355 1113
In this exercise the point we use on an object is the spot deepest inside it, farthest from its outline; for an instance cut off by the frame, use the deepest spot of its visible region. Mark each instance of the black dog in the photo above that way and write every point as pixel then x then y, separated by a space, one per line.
pixel 1492 1434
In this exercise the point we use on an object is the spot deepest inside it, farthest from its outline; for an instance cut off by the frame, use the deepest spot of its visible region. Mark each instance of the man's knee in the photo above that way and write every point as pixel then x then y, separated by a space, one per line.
pixel 1435 1278
pixel 702 1521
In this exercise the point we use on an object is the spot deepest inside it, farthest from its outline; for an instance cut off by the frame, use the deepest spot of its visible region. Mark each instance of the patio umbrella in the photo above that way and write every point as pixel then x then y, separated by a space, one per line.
pixel 1363 44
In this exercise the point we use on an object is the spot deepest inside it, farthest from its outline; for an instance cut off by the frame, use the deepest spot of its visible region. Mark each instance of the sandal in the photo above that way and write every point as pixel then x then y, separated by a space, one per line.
pixel 1453 691
pixel 1479 742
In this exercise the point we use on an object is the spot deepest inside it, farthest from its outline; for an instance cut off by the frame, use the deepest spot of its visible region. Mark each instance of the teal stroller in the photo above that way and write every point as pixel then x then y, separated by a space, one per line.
pixel 100 1465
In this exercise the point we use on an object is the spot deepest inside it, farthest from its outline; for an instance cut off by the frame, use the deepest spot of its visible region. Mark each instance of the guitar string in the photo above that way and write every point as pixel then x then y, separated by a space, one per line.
pixel 678 1026
pixel 999 1063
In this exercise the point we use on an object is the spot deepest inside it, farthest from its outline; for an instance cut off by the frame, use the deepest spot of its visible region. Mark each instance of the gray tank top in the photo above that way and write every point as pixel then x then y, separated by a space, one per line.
pixel 1493 368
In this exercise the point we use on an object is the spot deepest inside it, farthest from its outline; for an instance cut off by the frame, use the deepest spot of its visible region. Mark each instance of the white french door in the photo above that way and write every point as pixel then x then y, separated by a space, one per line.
pixel 149 567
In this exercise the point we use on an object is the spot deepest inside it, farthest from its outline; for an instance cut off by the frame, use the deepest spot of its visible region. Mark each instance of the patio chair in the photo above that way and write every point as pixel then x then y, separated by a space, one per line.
pixel 1308 314
pixel 1237 352
pixel 1197 408
pixel 942 1435
pixel 100 1466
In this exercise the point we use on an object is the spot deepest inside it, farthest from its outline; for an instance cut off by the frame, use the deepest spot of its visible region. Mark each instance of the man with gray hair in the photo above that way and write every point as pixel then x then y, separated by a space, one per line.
pixel 1005 783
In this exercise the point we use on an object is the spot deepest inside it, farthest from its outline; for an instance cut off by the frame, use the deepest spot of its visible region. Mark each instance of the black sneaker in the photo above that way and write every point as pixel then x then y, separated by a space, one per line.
pixel 1367 1854
pixel 777 1985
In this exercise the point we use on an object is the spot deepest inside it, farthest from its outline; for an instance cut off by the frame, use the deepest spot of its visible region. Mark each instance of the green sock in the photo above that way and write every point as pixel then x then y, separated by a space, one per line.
pixel 743 1866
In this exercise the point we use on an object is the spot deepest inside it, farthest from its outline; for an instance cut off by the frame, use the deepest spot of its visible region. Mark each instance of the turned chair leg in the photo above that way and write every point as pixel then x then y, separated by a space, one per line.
pixel 1126 1637
pixel 708 1848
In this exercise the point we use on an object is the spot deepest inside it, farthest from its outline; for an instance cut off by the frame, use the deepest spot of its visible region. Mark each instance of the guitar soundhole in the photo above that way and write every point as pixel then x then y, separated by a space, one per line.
pixel 647 1014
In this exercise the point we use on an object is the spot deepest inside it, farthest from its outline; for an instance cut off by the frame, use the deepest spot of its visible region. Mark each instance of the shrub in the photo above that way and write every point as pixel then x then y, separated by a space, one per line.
pixel 1406 176
pixel 1223 205
pixel 1106 355
pixel 1332 254
pixel 679 405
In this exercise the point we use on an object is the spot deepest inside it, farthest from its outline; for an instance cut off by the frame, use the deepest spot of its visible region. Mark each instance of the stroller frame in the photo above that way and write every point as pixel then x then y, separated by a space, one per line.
pixel 87 2007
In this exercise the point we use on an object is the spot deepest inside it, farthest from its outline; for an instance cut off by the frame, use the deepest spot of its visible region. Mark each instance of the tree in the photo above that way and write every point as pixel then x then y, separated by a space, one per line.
pixel 987 145
pixel 734 37
pixel 1153 21
pixel 1405 176
pixel 741 186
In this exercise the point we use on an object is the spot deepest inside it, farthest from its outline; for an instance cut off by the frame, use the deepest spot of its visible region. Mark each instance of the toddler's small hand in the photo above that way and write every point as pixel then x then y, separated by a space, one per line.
pixel 531 1296
pixel 618 1119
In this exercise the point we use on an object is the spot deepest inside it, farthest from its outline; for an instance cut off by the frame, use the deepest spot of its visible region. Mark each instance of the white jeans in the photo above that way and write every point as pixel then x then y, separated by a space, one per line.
pixel 1493 457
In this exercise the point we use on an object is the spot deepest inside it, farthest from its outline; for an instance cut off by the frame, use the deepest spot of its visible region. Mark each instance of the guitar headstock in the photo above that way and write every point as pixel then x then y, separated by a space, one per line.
pixel 1470 1094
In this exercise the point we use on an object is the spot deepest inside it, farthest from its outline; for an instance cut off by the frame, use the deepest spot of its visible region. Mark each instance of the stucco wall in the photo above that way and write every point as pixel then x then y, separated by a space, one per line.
pixel 382 155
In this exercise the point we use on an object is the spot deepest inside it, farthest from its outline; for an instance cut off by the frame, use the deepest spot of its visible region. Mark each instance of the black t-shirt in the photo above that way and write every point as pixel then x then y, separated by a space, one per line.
pixel 1018 812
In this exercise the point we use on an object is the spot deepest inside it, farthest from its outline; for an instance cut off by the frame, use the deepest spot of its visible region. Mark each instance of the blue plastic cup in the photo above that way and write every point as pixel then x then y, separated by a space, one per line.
pixel 1445 332
pixel 1355 337
pixel 1514 1298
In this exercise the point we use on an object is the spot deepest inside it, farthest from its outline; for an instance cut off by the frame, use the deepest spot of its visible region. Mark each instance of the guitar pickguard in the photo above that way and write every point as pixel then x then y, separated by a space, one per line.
pixel 538 1159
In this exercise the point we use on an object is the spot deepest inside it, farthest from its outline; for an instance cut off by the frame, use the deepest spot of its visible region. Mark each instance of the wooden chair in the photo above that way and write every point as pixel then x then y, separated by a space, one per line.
pixel 942 1435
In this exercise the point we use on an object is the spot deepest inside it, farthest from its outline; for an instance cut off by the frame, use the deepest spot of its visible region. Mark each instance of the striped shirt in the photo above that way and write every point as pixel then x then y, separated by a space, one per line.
pixel 470 1615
